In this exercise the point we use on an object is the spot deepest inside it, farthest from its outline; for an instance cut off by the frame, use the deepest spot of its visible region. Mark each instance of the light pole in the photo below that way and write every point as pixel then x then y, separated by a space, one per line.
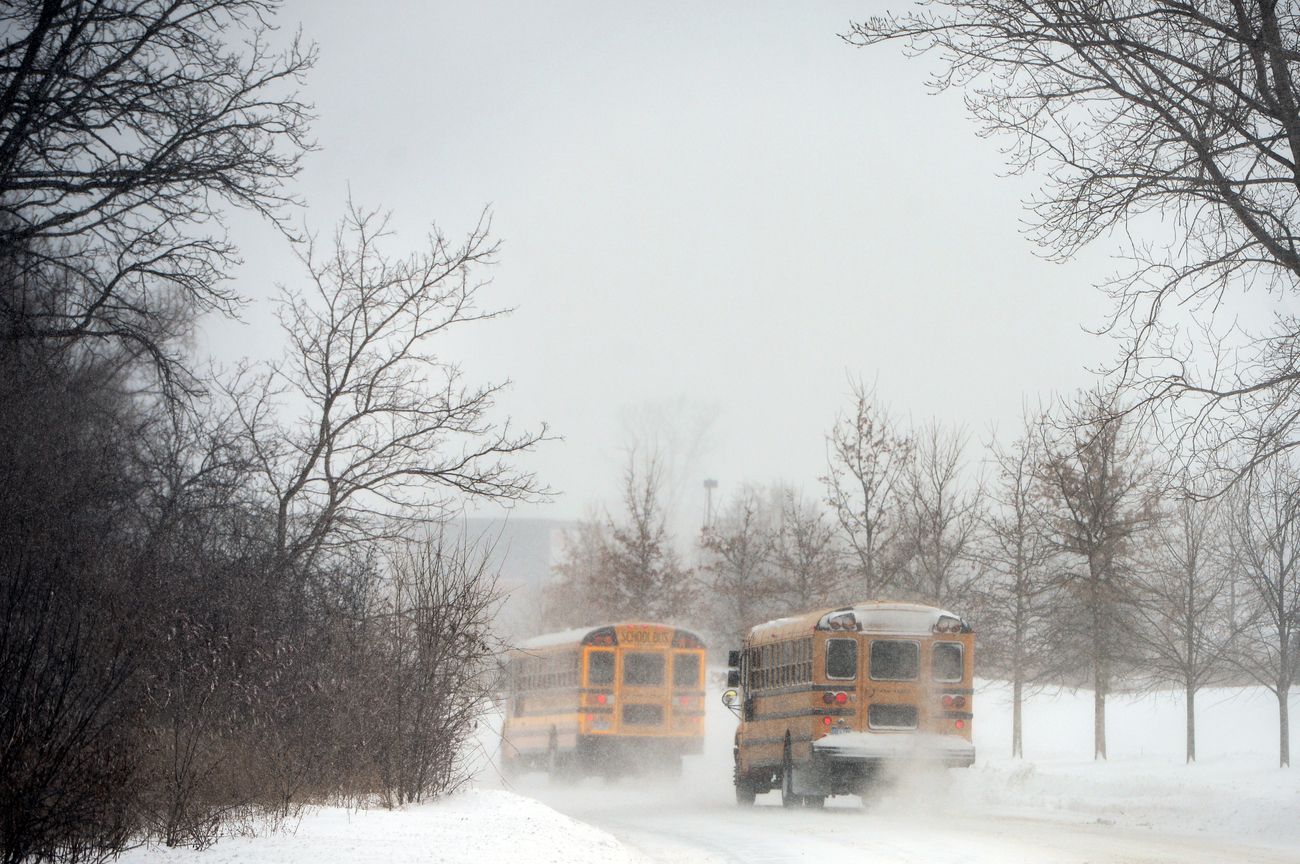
pixel 709 485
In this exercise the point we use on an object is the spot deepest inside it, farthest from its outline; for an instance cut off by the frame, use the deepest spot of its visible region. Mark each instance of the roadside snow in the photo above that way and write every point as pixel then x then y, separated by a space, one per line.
pixel 1235 788
pixel 477 826
pixel 1057 805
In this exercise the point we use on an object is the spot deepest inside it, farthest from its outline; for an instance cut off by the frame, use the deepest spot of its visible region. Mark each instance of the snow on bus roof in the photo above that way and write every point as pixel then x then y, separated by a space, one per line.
pixel 563 637
pixel 899 617
pixel 880 616
pixel 577 634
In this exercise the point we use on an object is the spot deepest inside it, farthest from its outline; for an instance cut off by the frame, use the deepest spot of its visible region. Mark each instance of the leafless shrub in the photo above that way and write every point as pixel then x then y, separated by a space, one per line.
pixel 439 666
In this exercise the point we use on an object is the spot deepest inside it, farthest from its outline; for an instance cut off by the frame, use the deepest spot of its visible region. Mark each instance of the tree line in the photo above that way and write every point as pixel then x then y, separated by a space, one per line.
pixel 1080 557
pixel 1168 131
pixel 224 592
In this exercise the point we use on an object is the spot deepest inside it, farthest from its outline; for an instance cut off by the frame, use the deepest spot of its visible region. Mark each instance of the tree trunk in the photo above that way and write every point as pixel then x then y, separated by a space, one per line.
pixel 1100 682
pixel 1284 720
pixel 1191 723
pixel 1017 697
pixel 1099 722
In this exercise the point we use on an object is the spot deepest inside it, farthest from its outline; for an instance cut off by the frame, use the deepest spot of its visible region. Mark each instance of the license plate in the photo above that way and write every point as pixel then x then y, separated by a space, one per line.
pixel 840 730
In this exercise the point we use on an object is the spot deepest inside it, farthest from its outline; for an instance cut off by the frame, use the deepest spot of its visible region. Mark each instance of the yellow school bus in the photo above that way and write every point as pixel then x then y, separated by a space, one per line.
pixel 829 698
pixel 604 700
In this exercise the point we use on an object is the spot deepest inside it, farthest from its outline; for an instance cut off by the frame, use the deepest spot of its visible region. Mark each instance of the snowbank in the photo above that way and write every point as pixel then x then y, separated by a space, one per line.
pixel 1235 788
pixel 477 826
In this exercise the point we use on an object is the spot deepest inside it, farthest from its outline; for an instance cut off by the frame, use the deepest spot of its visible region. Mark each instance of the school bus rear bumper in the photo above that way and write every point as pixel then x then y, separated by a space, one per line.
pixel 876 748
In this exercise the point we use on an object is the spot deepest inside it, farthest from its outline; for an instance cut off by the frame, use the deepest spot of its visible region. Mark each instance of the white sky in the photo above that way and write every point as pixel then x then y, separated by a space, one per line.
pixel 719 206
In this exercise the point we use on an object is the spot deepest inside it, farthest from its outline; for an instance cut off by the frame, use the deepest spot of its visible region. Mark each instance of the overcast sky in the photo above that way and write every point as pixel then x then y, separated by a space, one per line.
pixel 720 207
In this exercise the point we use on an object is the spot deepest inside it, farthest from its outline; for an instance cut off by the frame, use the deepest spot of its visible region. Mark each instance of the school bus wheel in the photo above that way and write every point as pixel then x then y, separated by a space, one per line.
pixel 788 798
pixel 745 790
pixel 557 764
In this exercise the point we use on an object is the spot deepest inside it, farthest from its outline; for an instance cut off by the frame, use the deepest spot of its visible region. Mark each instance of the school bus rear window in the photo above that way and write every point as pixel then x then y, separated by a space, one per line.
pixel 894 661
pixel 686 670
pixel 841 658
pixel 643 715
pixel 642 669
pixel 946 662
pixel 891 716
pixel 600 667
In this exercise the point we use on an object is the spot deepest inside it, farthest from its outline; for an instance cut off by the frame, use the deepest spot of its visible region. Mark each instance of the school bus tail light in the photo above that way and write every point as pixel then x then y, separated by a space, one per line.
pixel 830 697
pixel 841 698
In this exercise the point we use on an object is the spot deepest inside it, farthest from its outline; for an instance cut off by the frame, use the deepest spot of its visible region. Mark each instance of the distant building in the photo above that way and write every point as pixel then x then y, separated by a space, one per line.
pixel 524 551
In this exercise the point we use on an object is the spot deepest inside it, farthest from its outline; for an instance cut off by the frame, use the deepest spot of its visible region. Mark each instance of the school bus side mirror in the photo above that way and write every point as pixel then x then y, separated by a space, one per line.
pixel 729 698
pixel 733 659
pixel 733 677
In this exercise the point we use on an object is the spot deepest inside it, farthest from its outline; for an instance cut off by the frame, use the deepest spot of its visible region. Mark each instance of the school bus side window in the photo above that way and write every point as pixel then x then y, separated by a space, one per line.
pixel 945 662
pixel 841 658
pixel 600 667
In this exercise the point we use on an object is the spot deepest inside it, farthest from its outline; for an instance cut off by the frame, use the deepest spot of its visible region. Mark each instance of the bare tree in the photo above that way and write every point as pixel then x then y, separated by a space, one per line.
pixel 1015 593
pixel 392 429
pixel 645 577
pixel 1189 110
pixel 579 593
pixel 122 126
pixel 1185 629
pixel 1104 499
pixel 866 462
pixel 626 567
pixel 943 518
pixel 804 555
pixel 1264 538
pixel 741 583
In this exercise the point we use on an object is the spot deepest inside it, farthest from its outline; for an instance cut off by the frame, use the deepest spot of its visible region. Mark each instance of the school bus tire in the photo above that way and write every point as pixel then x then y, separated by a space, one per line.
pixel 746 791
pixel 558 766
pixel 788 798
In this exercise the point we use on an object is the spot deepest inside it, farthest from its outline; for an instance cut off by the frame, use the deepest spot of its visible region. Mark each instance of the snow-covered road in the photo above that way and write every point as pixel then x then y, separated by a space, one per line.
pixel 1144 805
pixel 684 823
